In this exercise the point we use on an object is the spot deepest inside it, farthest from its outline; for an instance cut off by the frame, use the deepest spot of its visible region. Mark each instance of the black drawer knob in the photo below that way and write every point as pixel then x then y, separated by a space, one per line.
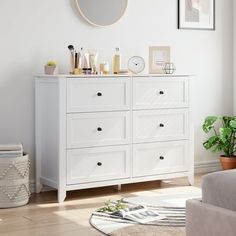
pixel 99 94
pixel 99 163
pixel 99 129
pixel 161 93
pixel 162 158
pixel 162 125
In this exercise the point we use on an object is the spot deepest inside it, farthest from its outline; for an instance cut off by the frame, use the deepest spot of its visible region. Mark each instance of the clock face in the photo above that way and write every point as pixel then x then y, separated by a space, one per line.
pixel 136 64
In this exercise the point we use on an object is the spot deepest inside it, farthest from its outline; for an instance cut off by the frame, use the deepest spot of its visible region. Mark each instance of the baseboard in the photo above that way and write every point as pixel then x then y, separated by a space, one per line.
pixel 32 187
pixel 207 166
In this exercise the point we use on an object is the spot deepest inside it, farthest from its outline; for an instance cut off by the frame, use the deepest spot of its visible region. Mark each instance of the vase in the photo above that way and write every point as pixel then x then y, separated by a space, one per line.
pixel 51 70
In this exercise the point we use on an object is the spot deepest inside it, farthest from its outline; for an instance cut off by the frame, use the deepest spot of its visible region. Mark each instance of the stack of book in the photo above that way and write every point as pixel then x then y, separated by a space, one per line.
pixel 11 150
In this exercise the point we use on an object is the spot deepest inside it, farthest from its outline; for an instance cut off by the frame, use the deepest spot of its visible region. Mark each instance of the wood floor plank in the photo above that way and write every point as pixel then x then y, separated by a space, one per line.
pixel 43 216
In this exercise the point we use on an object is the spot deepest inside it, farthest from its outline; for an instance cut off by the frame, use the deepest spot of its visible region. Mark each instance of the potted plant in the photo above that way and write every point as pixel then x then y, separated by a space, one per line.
pixel 51 68
pixel 223 138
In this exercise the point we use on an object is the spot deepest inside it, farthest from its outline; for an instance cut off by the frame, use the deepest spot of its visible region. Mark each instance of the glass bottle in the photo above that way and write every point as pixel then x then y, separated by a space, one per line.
pixel 116 62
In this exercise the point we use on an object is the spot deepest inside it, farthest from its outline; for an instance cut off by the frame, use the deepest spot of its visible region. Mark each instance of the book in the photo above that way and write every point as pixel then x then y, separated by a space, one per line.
pixel 137 213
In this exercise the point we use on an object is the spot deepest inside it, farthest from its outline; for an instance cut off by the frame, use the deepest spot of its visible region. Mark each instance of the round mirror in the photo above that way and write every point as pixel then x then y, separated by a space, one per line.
pixel 102 12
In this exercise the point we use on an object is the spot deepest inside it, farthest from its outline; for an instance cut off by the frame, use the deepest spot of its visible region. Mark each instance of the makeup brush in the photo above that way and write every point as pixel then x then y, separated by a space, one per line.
pixel 71 48
pixel 76 59
pixel 72 59
pixel 81 57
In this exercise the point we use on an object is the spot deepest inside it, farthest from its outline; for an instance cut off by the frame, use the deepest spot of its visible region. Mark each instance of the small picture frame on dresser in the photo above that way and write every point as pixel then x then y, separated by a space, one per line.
pixel 158 56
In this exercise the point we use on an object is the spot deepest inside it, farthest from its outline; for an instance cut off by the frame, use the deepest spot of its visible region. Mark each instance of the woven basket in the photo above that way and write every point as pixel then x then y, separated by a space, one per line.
pixel 14 181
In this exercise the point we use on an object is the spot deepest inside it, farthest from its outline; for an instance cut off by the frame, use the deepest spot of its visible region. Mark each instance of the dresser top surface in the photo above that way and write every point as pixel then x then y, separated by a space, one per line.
pixel 111 76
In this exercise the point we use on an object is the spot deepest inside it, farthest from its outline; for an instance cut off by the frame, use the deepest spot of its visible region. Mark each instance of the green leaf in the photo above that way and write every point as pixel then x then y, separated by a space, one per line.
pixel 225 139
pixel 211 142
pixel 208 123
pixel 226 120
pixel 232 124
pixel 111 207
pixel 225 134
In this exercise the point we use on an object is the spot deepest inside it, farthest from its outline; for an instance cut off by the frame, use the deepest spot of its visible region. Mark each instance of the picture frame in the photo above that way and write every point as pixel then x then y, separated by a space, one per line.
pixel 196 14
pixel 158 56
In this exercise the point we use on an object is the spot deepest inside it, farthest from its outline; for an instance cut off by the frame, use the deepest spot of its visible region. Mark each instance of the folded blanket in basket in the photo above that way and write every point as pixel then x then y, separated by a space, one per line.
pixel 11 150
pixel 11 147
pixel 11 155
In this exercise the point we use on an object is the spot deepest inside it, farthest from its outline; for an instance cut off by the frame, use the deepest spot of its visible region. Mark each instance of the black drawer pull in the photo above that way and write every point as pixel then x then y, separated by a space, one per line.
pixel 99 164
pixel 99 94
pixel 161 93
pixel 161 125
pixel 162 158
pixel 99 129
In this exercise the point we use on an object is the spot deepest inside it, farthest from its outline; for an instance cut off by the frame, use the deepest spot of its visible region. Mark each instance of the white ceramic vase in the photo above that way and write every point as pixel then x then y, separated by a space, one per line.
pixel 50 70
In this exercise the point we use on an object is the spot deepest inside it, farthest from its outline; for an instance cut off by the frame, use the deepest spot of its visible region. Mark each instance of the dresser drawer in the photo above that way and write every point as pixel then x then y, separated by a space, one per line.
pixel 159 158
pixel 160 125
pixel 98 164
pixel 98 94
pixel 98 129
pixel 151 93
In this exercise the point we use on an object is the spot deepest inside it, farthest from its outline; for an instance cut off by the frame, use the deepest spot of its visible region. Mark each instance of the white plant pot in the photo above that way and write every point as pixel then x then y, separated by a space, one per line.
pixel 51 70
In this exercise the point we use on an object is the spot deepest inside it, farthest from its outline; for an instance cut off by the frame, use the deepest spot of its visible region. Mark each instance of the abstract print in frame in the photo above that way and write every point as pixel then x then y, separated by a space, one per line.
pixel 196 14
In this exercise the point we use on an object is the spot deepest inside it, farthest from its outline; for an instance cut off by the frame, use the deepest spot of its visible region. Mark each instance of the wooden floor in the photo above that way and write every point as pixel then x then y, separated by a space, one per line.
pixel 44 216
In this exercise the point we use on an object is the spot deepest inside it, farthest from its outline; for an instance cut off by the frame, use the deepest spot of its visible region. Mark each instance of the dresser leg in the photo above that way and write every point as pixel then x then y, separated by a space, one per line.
pixel 191 179
pixel 61 196
pixel 117 187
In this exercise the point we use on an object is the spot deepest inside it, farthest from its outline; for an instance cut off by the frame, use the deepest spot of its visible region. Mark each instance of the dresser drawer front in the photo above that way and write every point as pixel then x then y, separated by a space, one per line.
pixel 159 158
pixel 98 129
pixel 98 164
pixel 98 95
pixel 151 93
pixel 160 125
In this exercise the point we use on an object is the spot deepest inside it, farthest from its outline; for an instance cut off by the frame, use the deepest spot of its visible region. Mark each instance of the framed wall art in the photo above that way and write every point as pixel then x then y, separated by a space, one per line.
pixel 196 14
pixel 158 56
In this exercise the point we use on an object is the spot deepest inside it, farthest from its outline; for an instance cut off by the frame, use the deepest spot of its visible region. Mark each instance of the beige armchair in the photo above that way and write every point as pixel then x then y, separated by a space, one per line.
pixel 215 214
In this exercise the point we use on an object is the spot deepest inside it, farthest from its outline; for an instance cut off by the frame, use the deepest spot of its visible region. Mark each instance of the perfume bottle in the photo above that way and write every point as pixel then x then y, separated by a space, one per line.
pixel 116 62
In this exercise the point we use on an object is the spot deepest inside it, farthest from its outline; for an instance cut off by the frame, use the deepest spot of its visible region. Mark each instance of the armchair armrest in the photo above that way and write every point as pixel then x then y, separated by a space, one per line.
pixel 209 220
pixel 219 189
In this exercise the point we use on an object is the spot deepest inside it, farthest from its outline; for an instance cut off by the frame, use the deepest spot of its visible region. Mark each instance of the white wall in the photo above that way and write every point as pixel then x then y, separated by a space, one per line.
pixel 34 31
pixel 234 60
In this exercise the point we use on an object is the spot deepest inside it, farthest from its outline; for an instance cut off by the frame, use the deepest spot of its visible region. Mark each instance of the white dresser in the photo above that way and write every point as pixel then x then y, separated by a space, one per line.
pixel 96 131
